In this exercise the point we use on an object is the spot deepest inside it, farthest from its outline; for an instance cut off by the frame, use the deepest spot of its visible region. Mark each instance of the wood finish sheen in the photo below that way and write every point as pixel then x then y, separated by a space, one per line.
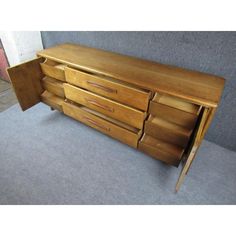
pixel 173 115
pixel 53 86
pixel 166 131
pixel 103 105
pixel 194 86
pixel 206 115
pixel 26 82
pixel 113 89
pixel 161 150
pixel 177 103
pixel 111 129
pixel 53 69
pixel 112 93
pixel 52 100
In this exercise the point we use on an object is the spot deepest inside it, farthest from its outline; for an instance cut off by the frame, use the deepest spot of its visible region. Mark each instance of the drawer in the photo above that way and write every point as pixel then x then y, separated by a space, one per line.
pixel 160 150
pixel 53 86
pixel 105 106
pixel 98 121
pixel 167 131
pixel 53 69
pixel 124 93
pixel 174 115
pixel 177 103
pixel 52 100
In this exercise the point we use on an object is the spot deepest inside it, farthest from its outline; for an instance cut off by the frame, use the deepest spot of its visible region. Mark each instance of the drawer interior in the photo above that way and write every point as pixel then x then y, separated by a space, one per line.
pixel 169 127
pixel 173 115
pixel 53 69
pixel 161 150
pixel 167 131
pixel 177 103
pixel 53 86
pixel 55 64
pixel 159 122
pixel 52 100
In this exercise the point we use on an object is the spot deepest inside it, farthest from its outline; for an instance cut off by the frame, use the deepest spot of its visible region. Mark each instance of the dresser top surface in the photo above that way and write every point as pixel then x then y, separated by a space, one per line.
pixel 195 86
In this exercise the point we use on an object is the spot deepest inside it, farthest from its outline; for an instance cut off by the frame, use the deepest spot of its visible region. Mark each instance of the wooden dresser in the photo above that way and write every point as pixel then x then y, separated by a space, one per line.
pixel 164 111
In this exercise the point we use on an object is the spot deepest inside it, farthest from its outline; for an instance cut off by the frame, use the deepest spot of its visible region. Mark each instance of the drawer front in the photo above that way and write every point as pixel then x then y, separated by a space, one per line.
pixel 160 150
pixel 100 124
pixel 53 86
pixel 110 88
pixel 53 69
pixel 108 107
pixel 174 115
pixel 167 132
pixel 52 100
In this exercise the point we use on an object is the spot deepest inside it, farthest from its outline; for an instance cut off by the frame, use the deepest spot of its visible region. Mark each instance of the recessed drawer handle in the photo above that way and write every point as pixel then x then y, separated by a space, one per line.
pixel 96 124
pixel 95 103
pixel 109 90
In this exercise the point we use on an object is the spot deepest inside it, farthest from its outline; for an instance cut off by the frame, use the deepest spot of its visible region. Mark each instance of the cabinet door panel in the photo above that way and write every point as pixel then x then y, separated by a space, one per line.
pixel 26 81
pixel 201 128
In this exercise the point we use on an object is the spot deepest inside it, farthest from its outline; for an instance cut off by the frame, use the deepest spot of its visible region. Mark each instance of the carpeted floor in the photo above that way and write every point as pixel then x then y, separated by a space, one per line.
pixel 48 158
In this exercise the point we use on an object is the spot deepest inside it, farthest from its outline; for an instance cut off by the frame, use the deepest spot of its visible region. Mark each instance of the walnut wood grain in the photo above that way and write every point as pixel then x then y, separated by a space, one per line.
pixel 200 88
pixel 52 100
pixel 105 126
pixel 107 87
pixel 113 96
pixel 53 69
pixel 173 115
pixel 169 153
pixel 167 131
pixel 194 147
pixel 106 106
pixel 26 82
pixel 177 103
pixel 53 86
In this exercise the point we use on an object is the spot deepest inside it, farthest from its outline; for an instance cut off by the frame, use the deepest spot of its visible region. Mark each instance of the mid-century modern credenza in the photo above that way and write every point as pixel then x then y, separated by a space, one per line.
pixel 164 111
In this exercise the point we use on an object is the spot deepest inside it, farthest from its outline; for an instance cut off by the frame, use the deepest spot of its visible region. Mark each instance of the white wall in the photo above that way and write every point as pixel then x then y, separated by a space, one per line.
pixel 21 46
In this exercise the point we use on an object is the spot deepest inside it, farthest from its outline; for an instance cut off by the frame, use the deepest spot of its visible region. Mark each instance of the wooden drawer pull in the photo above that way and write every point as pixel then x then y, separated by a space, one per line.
pixel 95 103
pixel 106 89
pixel 96 124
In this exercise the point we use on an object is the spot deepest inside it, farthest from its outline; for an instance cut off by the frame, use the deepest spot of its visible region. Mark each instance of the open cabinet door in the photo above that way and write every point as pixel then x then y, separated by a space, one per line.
pixel 202 127
pixel 26 81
